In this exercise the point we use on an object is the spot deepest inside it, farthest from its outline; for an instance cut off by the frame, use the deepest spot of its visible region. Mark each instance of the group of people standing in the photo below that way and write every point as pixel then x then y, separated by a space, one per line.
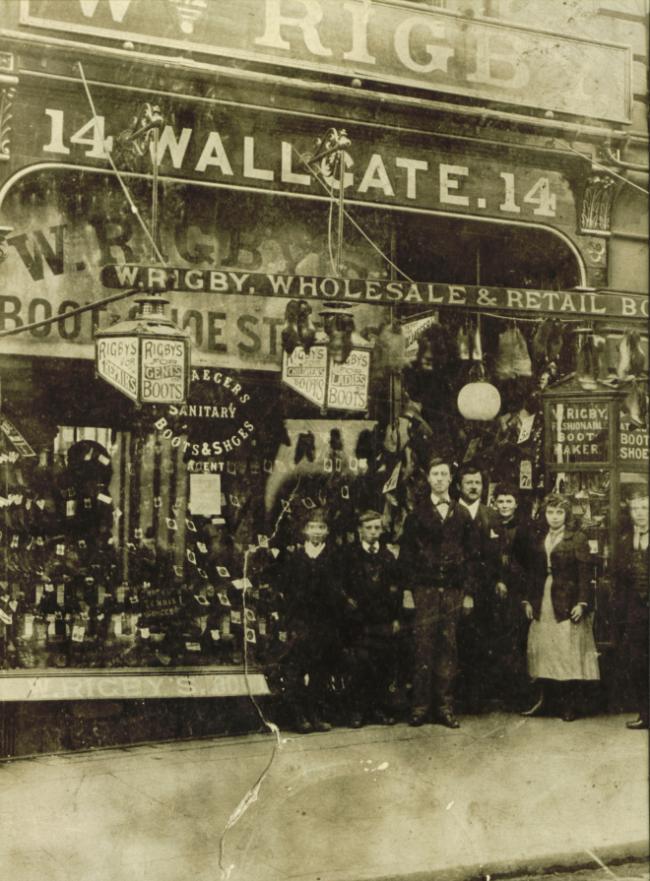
pixel 477 598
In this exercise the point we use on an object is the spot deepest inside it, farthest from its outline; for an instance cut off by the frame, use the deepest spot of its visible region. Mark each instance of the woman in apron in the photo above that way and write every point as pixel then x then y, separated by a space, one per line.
pixel 561 648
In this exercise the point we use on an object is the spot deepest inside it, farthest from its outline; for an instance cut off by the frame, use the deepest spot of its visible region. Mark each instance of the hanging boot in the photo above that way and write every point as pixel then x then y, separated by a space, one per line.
pixel 290 336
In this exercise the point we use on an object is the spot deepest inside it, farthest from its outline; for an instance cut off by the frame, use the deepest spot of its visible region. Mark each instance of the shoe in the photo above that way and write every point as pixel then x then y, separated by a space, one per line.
pixel 319 724
pixel 303 725
pixel 569 715
pixel 417 719
pixel 447 718
pixel 356 720
pixel 637 725
pixel 536 709
pixel 382 718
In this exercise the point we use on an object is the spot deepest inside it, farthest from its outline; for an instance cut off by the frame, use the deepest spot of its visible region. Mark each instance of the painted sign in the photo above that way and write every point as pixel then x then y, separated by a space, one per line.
pixel 149 371
pixel 163 371
pixel 306 373
pixel 388 42
pixel 217 419
pixel 15 438
pixel 633 444
pixel 382 292
pixel 265 149
pixel 580 431
pixel 126 686
pixel 117 363
pixel 81 223
pixel 347 386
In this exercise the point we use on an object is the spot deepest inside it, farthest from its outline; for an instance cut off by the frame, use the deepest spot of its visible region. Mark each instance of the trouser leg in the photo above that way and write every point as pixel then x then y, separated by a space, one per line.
pixel 445 657
pixel 424 633
pixel 637 634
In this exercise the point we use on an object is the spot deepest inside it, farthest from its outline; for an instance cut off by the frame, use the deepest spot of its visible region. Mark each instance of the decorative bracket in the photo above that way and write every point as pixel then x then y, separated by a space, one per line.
pixel 596 204
pixel 8 83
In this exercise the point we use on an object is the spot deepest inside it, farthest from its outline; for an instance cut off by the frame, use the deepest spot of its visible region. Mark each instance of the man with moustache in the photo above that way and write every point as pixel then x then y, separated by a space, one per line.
pixel 437 554
pixel 476 633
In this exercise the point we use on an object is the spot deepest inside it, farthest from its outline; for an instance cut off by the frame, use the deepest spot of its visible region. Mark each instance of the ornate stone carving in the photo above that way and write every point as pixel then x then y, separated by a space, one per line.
pixel 8 83
pixel 596 204
pixel 7 95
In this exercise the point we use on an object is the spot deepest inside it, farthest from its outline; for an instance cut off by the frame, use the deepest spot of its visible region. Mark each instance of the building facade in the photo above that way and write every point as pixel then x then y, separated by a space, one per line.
pixel 483 208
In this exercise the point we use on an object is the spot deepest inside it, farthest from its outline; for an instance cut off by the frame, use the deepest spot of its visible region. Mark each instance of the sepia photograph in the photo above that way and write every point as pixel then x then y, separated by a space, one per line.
pixel 324 417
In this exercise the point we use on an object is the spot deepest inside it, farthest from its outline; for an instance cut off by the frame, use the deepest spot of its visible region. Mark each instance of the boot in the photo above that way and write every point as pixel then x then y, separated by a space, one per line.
pixel 568 702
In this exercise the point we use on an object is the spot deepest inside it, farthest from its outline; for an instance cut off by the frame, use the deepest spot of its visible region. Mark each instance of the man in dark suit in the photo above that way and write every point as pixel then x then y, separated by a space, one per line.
pixel 437 554
pixel 372 607
pixel 633 583
pixel 476 636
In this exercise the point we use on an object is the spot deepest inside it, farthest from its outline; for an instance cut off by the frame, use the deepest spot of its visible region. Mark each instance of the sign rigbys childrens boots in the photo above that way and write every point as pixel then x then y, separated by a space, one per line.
pixel 330 368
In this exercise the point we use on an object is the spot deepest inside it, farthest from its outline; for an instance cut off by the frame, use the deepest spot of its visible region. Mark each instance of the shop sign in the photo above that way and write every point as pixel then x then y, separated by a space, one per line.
pixel 325 382
pixel 383 293
pixel 15 438
pixel 117 364
pixel 306 373
pixel 347 387
pixel 633 444
pixel 388 42
pixel 139 685
pixel 216 420
pixel 580 432
pixel 54 256
pixel 145 369
pixel 215 145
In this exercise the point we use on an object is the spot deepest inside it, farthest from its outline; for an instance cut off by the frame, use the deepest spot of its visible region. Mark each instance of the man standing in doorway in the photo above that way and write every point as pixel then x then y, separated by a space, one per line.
pixel 476 636
pixel 437 552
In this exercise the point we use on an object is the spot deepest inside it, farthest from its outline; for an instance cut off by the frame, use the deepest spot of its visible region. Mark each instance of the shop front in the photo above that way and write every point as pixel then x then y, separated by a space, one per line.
pixel 139 541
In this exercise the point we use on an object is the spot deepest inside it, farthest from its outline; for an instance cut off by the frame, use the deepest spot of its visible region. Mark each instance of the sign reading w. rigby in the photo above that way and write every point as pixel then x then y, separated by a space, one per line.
pixel 387 41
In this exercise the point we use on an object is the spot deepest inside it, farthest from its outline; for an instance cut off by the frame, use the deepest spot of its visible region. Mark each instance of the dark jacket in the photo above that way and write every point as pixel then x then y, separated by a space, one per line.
pixel 311 591
pixel 631 580
pixel 439 553
pixel 513 545
pixel 571 570
pixel 486 558
pixel 373 597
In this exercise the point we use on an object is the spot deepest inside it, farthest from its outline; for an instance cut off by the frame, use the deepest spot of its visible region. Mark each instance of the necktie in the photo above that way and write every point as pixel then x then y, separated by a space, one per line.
pixel 373 548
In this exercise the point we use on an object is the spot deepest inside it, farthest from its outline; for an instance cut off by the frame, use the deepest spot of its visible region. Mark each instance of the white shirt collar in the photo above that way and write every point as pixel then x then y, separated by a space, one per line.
pixel 473 508
pixel 313 551
pixel 440 500
pixel 366 546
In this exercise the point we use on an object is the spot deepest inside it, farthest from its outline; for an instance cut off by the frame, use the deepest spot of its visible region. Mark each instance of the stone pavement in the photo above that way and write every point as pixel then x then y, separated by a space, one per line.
pixel 501 795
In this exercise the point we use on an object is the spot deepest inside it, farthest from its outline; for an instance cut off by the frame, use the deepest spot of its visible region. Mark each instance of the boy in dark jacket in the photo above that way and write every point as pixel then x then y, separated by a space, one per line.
pixel 310 584
pixel 372 606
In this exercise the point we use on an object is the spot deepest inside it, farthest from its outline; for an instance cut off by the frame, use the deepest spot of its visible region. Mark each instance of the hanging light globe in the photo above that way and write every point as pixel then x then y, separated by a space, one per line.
pixel 479 400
